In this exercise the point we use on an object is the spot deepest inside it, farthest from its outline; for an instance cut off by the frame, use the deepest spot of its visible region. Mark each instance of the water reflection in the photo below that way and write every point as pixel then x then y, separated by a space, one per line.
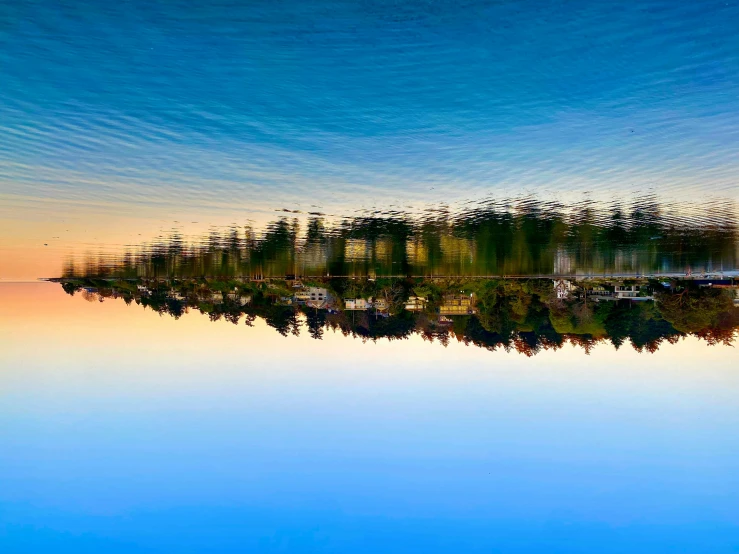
pixel 523 237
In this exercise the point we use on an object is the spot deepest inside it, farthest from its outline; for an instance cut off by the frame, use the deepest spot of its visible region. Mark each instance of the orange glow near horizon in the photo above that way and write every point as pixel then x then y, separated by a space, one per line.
pixel 34 314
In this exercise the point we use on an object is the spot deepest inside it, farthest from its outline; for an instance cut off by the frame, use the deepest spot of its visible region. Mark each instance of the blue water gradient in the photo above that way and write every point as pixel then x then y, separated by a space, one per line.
pixel 136 101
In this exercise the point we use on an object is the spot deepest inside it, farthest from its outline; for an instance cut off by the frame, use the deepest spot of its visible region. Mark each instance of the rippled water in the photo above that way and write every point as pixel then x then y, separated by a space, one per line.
pixel 119 118
pixel 515 237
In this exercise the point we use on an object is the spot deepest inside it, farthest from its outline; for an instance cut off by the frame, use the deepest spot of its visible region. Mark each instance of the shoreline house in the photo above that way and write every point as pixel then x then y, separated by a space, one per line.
pixel 302 296
pixel 174 294
pixel 630 292
pixel 318 304
pixel 212 297
pixel 600 293
pixel 458 304
pixel 316 295
pixel 237 297
pixel 626 291
pixel 356 304
pixel 416 303
pixel 563 288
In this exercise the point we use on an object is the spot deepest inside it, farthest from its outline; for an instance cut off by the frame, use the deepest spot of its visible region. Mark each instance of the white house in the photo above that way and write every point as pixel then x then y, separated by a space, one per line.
pixel 311 294
pixel 318 293
pixel 626 291
pixel 563 288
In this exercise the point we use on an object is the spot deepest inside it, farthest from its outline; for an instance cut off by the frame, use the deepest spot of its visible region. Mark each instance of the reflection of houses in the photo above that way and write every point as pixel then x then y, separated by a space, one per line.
pixel 241 299
pixel 356 250
pixel 458 304
pixel 416 252
pixel 313 256
pixel 415 304
pixel 736 297
pixel 456 249
pixel 564 262
pixel 563 288
pixel 383 251
pixel 356 304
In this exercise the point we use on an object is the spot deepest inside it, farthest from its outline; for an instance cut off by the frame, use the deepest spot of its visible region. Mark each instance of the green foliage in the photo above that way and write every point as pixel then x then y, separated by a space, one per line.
pixel 70 288
pixel 694 309
pixel 520 314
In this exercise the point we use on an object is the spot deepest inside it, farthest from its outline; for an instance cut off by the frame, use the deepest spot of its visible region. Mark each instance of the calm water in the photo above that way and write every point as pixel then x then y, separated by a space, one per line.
pixel 369 276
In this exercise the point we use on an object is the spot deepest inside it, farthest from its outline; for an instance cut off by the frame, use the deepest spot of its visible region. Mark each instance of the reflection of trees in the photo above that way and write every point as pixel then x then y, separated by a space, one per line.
pixel 693 310
pixel 528 238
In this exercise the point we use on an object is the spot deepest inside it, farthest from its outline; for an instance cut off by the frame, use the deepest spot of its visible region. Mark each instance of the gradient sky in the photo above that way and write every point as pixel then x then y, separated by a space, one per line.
pixel 119 118
pixel 125 431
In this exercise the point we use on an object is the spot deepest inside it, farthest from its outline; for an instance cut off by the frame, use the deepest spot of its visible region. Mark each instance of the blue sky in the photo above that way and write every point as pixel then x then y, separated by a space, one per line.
pixel 197 435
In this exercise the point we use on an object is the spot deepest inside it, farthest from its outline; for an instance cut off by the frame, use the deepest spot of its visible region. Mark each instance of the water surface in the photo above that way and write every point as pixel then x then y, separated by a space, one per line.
pixel 118 120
